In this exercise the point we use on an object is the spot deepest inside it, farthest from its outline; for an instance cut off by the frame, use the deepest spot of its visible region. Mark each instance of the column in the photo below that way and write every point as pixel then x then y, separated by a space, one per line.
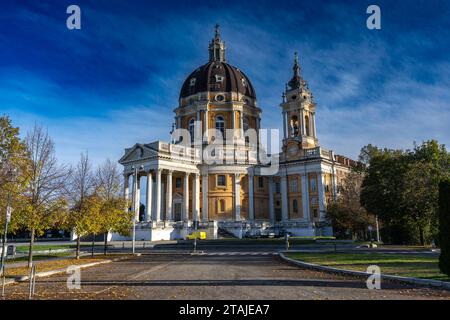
pixel 233 121
pixel 237 196
pixel 148 206
pixel 302 118
pixel 205 197
pixel 241 125
pixel 284 124
pixel 136 195
pixel 305 198
pixel 169 196
pixel 271 203
pixel 284 198
pixel 126 187
pixel 314 123
pixel 158 195
pixel 206 125
pixel 251 205
pixel 186 197
pixel 196 197
pixel 321 190
pixel 288 127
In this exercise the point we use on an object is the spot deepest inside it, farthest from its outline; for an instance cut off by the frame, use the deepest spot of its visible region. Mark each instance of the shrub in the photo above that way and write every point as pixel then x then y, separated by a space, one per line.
pixel 444 226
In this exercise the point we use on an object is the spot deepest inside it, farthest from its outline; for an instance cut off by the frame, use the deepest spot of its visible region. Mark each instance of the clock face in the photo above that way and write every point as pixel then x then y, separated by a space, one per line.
pixel 292 150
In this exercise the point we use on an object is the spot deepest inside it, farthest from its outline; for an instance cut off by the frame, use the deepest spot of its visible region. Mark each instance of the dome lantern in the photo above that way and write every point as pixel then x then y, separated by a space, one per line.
pixel 217 48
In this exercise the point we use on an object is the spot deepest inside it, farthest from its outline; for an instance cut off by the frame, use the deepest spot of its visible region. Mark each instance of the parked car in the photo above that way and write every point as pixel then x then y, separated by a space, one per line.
pixel 283 233
pixel 201 235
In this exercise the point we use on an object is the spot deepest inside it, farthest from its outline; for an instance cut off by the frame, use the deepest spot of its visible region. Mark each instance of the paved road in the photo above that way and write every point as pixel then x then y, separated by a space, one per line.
pixel 232 275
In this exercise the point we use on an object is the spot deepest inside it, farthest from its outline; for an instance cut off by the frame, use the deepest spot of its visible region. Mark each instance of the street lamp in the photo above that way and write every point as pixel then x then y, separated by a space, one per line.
pixel 136 206
pixel 12 173
pixel 133 240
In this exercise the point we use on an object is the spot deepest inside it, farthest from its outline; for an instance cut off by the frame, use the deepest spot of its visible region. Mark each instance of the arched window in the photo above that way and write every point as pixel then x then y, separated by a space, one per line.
pixel 294 125
pixel 192 128
pixel 245 127
pixel 220 125
pixel 307 125
pixel 245 124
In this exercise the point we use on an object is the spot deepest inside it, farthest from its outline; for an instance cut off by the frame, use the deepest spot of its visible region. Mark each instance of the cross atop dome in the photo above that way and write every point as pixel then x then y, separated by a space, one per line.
pixel 217 27
pixel 217 47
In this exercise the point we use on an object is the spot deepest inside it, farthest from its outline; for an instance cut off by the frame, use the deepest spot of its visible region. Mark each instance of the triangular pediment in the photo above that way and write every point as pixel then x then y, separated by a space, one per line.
pixel 138 152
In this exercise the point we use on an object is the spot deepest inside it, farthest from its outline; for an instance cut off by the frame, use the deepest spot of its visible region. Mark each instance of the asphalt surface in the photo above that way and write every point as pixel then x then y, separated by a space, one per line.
pixel 214 275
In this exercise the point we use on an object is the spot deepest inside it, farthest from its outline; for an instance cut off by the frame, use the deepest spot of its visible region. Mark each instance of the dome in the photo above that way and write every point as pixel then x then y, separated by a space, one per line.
pixel 217 76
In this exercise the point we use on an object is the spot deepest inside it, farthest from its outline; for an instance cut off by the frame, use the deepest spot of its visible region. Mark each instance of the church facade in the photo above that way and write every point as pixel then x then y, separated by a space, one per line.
pixel 215 175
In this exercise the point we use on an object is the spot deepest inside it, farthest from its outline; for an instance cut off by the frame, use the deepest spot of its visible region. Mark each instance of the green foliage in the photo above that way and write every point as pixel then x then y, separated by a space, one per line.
pixel 14 164
pixel 346 214
pixel 400 187
pixel 444 226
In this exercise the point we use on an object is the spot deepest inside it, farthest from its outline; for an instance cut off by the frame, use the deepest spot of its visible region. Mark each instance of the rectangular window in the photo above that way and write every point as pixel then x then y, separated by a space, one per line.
pixel 178 183
pixel 294 187
pixel 312 183
pixel 295 205
pixel 315 213
pixel 277 187
pixel 221 180
pixel 260 182
pixel 221 205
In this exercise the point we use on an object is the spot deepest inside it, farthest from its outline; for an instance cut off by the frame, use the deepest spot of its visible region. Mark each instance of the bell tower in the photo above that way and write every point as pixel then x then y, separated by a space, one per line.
pixel 299 113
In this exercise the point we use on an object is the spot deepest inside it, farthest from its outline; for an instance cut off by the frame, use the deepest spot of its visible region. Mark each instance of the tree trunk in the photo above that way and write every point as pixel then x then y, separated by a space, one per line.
pixel 78 246
pixel 422 237
pixel 30 250
pixel 105 248
pixel 93 245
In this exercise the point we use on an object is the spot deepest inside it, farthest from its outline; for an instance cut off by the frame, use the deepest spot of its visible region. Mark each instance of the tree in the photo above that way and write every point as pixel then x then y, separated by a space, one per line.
pixel 346 213
pixel 43 198
pixel 400 187
pixel 83 209
pixel 420 198
pixel 444 226
pixel 114 215
pixel 13 167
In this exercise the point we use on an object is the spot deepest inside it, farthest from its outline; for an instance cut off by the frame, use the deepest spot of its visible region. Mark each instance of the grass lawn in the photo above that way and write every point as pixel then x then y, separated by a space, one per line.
pixel 56 264
pixel 44 247
pixel 396 264
pixel 41 256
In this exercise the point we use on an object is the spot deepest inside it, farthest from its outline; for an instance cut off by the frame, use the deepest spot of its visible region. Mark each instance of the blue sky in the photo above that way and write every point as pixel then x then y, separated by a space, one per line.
pixel 117 80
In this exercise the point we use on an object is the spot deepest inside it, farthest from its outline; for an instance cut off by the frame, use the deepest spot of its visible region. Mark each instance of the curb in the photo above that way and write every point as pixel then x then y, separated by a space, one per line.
pixel 63 270
pixel 409 280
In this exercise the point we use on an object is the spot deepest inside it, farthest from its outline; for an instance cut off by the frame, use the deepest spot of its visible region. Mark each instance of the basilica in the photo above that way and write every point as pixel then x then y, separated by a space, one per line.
pixel 173 190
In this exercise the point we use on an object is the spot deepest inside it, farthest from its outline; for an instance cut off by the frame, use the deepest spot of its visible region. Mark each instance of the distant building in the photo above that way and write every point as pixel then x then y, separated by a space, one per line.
pixel 182 190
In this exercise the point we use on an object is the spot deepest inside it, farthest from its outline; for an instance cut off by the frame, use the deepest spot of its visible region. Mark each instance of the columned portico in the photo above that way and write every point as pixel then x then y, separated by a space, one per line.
pixel 220 96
